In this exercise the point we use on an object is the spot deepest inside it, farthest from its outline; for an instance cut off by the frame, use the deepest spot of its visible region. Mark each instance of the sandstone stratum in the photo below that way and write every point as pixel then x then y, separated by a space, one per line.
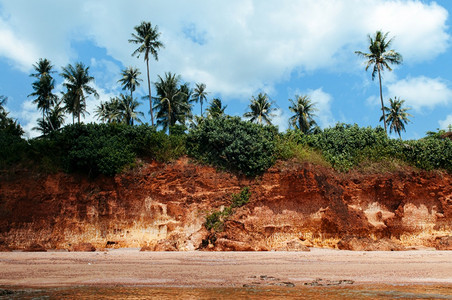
pixel 163 207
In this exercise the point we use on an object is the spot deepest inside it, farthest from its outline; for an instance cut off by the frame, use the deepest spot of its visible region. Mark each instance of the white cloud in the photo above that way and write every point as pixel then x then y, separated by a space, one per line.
pixel 236 47
pixel 421 92
pixel 18 50
pixel 419 29
pixel 281 119
pixel 444 124
pixel 28 117
pixel 322 102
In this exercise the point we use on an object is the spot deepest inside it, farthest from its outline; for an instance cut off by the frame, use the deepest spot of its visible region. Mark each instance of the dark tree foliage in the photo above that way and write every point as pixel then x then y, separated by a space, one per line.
pixel 233 144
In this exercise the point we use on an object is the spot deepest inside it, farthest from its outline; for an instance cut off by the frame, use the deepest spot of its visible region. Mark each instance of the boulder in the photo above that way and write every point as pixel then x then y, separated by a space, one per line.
pixel 83 247
pixel 357 243
pixel 443 243
pixel 293 245
pixel 35 247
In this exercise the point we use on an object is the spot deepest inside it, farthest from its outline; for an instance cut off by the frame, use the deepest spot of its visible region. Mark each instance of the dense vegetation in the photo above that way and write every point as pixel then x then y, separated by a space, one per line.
pixel 245 147
pixel 226 142
pixel 233 144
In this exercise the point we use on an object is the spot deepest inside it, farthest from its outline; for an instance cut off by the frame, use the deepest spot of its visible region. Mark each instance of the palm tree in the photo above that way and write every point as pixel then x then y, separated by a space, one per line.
pixel 216 109
pixel 77 82
pixel 147 37
pixel 43 86
pixel 303 109
pixel 127 108
pixel 397 116
pixel 380 56
pixel 109 111
pixel 43 68
pixel 45 98
pixel 172 101
pixel 130 80
pixel 260 109
pixel 200 94
pixel 53 121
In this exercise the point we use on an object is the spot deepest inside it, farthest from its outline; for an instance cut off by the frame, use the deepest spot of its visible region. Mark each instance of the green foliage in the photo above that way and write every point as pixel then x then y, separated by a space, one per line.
pixel 100 148
pixel 290 145
pixel 429 153
pixel 233 144
pixel 242 198
pixel 344 146
pixel 216 219
pixel 11 144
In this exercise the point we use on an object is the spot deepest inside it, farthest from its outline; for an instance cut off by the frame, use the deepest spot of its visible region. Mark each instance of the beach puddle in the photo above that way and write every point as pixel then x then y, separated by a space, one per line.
pixel 144 292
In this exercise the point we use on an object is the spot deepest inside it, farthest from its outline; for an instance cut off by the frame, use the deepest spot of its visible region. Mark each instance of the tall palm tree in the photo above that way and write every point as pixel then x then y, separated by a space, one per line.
pixel 172 101
pixel 43 86
pixel 130 80
pixel 147 37
pixel 45 98
pixel 397 116
pixel 128 110
pixel 200 94
pixel 380 57
pixel 303 109
pixel 77 82
pixel 216 109
pixel 261 109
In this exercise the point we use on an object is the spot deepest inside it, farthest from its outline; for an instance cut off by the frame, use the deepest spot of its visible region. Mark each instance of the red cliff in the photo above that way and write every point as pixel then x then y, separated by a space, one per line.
pixel 163 207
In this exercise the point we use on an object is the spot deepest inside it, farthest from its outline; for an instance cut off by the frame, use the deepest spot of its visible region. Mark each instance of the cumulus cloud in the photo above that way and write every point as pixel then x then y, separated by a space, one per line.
pixel 322 102
pixel 444 124
pixel 236 47
pixel 281 119
pixel 421 92
pixel 18 50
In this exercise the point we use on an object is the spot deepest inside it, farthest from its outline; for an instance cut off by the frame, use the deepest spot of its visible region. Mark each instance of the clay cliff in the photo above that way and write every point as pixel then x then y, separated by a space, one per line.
pixel 163 207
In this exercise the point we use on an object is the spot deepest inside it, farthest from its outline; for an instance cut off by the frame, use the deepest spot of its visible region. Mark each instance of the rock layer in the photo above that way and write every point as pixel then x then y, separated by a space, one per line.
pixel 163 207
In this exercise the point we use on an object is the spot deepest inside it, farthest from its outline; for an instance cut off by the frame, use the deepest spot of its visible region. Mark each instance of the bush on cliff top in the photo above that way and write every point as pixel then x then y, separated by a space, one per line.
pixel 104 148
pixel 233 144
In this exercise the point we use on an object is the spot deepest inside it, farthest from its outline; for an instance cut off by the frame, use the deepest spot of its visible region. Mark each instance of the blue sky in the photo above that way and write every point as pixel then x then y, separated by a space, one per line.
pixel 239 48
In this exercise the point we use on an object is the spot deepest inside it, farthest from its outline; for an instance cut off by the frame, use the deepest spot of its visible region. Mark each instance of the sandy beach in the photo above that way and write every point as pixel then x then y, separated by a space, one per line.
pixel 222 269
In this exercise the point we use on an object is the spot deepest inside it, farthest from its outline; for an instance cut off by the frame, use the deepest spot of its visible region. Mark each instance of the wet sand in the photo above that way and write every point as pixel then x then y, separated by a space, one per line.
pixel 222 269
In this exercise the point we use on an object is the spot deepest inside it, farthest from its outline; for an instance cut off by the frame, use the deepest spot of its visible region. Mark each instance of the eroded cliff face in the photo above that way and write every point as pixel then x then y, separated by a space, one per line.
pixel 163 207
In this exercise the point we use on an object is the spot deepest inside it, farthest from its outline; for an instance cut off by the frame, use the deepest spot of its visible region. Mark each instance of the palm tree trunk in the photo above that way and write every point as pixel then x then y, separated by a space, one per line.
pixel 201 107
pixel 382 103
pixel 150 97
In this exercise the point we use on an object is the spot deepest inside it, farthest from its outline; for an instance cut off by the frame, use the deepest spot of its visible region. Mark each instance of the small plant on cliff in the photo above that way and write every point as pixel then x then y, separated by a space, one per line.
pixel 216 219
pixel 242 198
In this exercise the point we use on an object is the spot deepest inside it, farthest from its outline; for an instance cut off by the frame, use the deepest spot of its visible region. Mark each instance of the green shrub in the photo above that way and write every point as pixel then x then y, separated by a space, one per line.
pixel 13 149
pixel 290 145
pixel 242 198
pixel 429 153
pixel 216 219
pixel 105 148
pixel 344 146
pixel 233 144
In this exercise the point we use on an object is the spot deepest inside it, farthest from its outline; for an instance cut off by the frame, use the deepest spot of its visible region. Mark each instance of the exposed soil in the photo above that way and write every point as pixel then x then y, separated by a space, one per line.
pixel 163 207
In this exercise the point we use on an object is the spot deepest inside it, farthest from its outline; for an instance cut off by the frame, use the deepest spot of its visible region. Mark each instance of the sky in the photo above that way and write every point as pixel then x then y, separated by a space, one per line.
pixel 240 48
